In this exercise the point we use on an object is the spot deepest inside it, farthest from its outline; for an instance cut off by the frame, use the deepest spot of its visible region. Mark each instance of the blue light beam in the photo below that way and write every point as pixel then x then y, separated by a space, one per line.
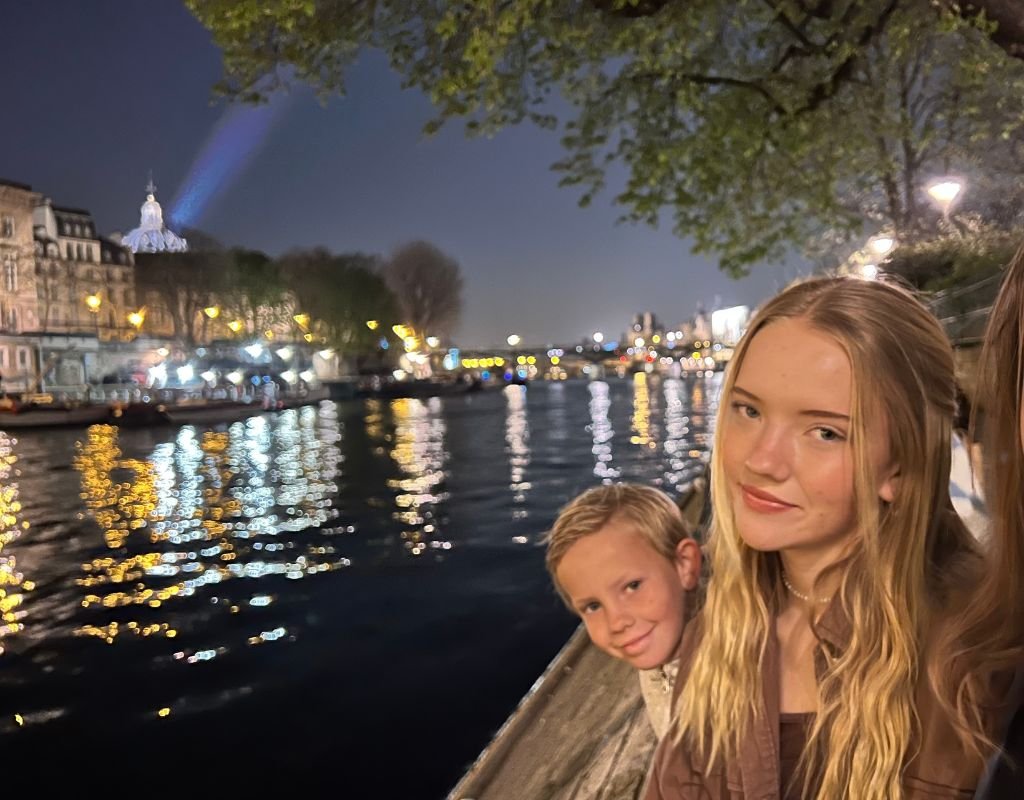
pixel 229 149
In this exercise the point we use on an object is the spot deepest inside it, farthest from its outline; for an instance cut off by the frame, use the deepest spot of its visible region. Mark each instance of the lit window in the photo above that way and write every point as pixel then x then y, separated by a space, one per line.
pixel 10 275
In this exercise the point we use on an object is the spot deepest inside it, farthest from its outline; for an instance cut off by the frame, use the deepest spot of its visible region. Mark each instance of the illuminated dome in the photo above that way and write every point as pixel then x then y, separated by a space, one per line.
pixel 151 236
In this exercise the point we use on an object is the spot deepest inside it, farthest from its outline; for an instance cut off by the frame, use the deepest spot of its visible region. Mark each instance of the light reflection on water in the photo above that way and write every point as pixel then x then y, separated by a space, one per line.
pixel 418 449
pixel 201 512
pixel 210 570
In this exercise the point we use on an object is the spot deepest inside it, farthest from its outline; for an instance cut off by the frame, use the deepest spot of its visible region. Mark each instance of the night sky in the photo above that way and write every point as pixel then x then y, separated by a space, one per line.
pixel 98 94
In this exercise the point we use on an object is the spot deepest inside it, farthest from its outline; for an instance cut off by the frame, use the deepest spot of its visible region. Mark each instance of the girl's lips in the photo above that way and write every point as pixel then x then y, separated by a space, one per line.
pixel 764 502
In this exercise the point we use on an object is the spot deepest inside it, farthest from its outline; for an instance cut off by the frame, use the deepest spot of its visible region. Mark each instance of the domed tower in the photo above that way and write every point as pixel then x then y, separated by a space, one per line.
pixel 152 236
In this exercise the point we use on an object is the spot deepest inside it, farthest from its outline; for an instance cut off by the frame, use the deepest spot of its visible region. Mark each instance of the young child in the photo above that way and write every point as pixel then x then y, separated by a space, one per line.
pixel 623 559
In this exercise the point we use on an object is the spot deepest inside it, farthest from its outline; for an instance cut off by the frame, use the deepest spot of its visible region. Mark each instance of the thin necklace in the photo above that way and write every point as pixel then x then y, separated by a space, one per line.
pixel 803 597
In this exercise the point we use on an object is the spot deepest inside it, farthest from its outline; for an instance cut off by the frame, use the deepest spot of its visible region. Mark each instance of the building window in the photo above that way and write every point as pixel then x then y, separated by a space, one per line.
pixel 3 356
pixel 78 230
pixel 22 357
pixel 81 254
pixel 10 275
pixel 71 252
pixel 122 258
pixel 7 227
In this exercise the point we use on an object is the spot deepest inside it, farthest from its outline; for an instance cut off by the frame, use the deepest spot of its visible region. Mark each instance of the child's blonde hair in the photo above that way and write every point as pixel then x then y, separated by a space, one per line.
pixel 653 513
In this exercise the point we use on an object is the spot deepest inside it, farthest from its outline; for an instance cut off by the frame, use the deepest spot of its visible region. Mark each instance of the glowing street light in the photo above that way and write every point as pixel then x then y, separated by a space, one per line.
pixel 302 320
pixel 944 193
pixel 212 311
pixel 372 324
pixel 881 245
pixel 235 325
pixel 93 301
pixel 433 341
pixel 136 318
pixel 870 271
pixel 513 339
pixel 598 337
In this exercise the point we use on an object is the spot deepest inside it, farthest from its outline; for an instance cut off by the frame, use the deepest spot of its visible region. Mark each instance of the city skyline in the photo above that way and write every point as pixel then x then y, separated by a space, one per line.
pixel 355 174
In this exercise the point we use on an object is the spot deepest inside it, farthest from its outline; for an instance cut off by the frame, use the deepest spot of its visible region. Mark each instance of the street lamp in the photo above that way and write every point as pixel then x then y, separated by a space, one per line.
pixel 944 193
pixel 94 301
pixel 869 271
pixel 433 341
pixel 513 339
pixel 598 337
pixel 881 245
pixel 235 325
pixel 372 324
pixel 212 311
pixel 136 318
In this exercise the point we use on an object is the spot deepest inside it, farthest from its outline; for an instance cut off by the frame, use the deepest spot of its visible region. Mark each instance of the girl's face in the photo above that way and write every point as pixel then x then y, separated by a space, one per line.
pixel 787 455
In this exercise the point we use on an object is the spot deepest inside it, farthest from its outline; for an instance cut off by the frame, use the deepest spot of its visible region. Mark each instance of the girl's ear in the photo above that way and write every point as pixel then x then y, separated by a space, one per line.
pixel 687 563
pixel 890 486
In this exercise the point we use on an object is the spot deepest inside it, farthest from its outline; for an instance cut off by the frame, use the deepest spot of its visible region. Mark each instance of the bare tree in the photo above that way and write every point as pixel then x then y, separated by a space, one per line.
pixel 428 287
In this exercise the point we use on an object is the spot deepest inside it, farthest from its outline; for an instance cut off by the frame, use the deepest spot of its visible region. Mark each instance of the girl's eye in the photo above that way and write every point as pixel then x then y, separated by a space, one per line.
pixel 746 410
pixel 829 435
pixel 632 586
pixel 591 607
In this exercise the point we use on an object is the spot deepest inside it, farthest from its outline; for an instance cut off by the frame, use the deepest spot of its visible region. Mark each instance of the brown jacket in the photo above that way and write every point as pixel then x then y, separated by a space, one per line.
pixel 940 771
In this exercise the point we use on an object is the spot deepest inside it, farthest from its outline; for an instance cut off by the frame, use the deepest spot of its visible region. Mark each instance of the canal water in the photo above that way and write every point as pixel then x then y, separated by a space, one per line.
pixel 346 598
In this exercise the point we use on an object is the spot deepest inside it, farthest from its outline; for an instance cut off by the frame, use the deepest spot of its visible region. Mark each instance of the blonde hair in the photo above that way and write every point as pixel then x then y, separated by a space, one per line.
pixel 891 579
pixel 987 637
pixel 652 512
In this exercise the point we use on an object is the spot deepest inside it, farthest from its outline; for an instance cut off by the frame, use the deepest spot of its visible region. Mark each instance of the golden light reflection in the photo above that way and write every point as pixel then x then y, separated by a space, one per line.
pixel 419 452
pixel 13 584
pixel 200 513
pixel 641 422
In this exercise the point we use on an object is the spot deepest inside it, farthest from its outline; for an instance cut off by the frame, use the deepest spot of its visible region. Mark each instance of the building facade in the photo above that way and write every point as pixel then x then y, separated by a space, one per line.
pixel 18 306
pixel 84 282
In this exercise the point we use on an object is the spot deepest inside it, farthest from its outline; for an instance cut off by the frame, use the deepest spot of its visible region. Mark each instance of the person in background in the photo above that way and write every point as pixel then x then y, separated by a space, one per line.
pixel 994 620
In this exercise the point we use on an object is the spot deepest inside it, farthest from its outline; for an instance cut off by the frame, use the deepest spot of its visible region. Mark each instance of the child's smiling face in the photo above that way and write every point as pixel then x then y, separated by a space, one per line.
pixel 631 598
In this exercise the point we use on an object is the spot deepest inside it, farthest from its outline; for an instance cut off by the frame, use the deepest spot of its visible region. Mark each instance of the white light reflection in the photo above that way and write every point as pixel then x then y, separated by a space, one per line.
pixel 601 431
pixel 517 441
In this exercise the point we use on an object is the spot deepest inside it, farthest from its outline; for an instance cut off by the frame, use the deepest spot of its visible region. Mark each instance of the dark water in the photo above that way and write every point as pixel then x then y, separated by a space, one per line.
pixel 346 599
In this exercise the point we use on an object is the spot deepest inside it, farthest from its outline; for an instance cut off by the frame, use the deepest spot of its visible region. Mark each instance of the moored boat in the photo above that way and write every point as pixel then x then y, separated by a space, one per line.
pixel 52 416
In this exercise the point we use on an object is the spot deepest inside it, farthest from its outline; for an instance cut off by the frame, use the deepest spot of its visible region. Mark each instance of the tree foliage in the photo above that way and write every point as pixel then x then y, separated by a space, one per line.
pixel 253 291
pixel 756 125
pixel 183 284
pixel 427 285
pixel 339 294
pixel 956 258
